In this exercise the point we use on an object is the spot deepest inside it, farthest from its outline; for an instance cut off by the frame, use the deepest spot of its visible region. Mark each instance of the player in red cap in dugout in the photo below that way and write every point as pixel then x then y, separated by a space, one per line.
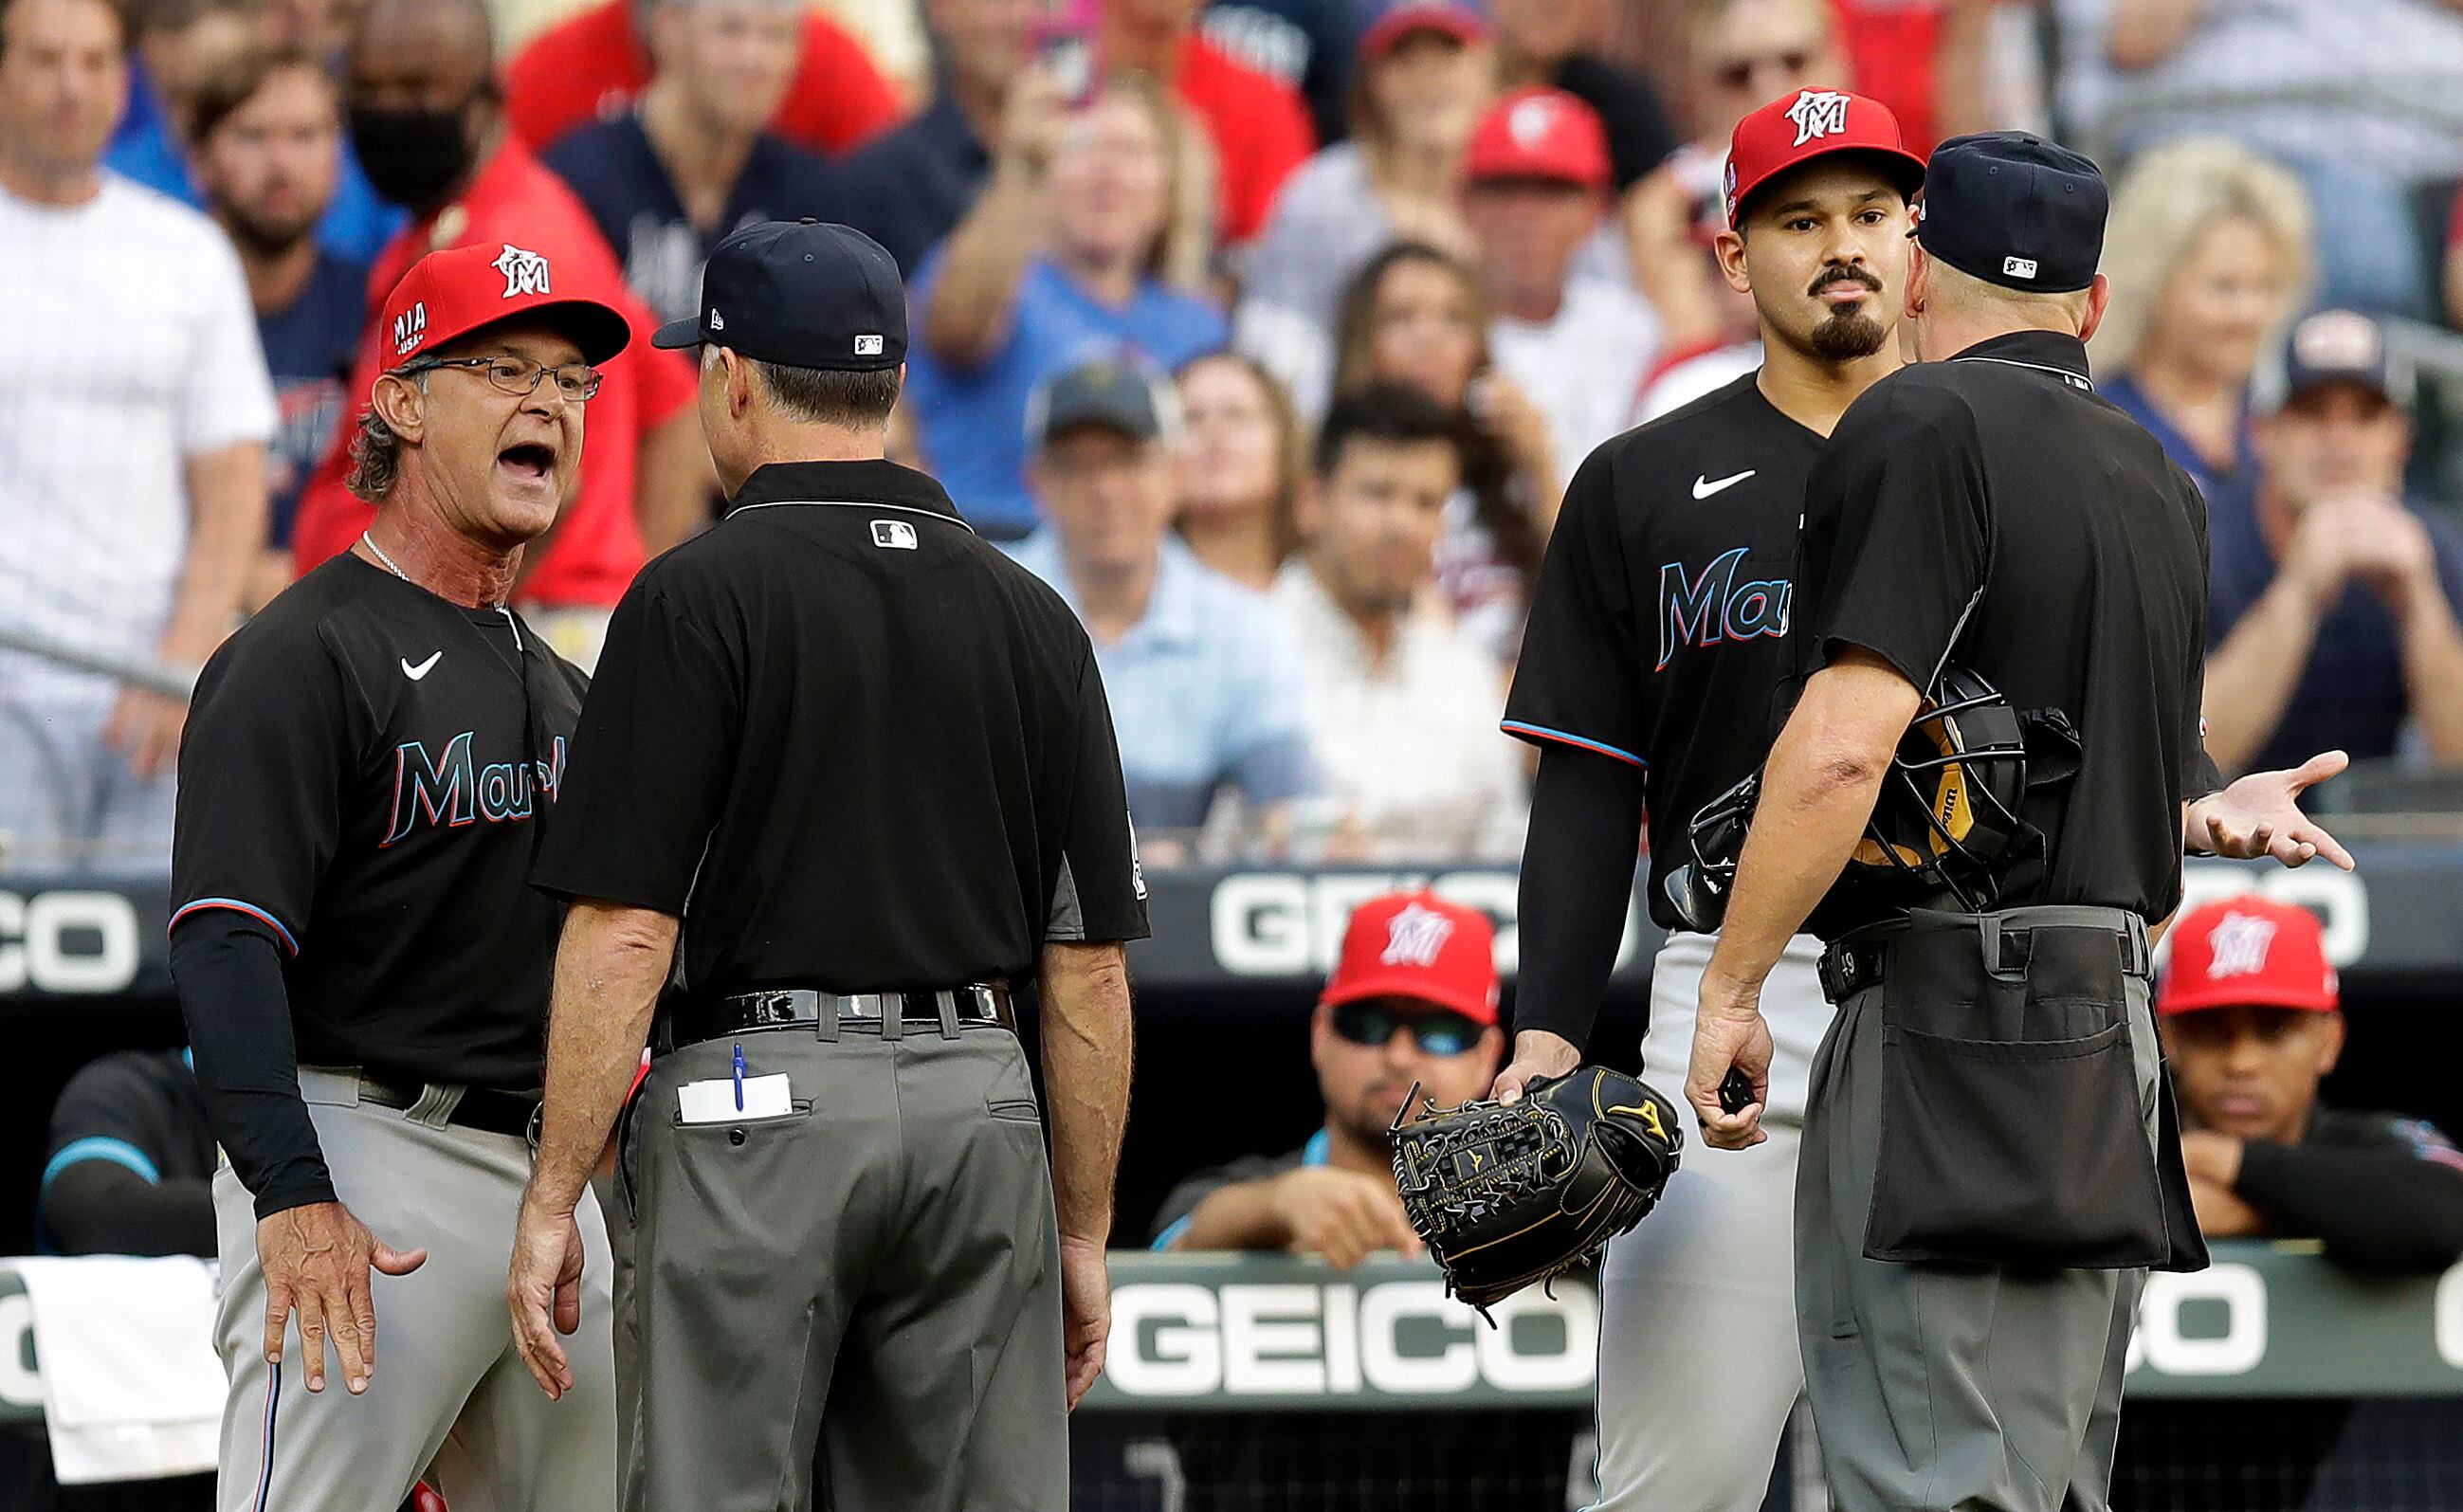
pixel 2251 1019
pixel 1413 999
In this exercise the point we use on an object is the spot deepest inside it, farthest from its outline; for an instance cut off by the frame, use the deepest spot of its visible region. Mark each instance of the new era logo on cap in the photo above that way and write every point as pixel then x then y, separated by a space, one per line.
pixel 1818 113
pixel 524 271
pixel 867 346
pixel 2018 267
pixel 717 321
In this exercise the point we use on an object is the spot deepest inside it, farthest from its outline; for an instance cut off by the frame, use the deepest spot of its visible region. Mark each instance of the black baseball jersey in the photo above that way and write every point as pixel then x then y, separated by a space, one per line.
pixel 363 769
pixel 142 1112
pixel 851 746
pixel 1658 628
pixel 1993 509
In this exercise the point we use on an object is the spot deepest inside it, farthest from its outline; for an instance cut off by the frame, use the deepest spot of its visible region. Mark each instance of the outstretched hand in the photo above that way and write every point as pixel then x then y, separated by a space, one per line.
pixel 2260 815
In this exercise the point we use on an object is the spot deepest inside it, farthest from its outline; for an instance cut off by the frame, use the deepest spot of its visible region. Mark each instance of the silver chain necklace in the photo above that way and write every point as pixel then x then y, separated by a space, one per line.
pixel 369 541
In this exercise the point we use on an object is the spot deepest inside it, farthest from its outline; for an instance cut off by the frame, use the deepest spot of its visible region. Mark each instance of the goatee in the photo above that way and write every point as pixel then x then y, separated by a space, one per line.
pixel 1847 336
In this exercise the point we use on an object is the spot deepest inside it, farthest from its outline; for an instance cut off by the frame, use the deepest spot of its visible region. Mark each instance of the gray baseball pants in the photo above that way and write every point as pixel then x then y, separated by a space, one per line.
pixel 1983 1389
pixel 449 1398
pixel 875 1273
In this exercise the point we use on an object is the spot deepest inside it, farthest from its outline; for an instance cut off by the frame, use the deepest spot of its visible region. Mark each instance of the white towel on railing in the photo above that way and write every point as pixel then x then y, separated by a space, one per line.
pixel 132 1386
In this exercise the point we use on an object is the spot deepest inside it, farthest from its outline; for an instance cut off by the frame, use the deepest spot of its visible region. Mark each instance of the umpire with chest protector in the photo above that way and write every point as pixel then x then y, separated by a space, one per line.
pixel 846 773
pixel 1989 778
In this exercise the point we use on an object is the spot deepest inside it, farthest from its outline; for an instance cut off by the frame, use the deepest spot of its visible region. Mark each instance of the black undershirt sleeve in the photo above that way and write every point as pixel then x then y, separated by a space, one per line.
pixel 98 1207
pixel 2381 1206
pixel 1577 890
pixel 228 971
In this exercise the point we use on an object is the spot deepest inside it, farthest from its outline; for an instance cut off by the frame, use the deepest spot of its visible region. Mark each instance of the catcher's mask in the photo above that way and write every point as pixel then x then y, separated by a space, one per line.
pixel 1945 821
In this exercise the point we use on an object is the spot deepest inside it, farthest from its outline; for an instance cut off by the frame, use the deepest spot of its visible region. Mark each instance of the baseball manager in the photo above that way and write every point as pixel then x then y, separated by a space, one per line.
pixel 1990 1163
pixel 363 964
pixel 845 776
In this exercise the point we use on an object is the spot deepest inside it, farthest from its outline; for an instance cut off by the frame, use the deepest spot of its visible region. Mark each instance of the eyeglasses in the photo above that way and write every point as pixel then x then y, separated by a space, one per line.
pixel 1739 71
pixel 1436 1032
pixel 519 375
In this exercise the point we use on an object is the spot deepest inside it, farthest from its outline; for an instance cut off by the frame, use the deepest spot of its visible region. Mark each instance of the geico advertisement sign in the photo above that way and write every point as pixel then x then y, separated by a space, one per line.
pixel 1291 923
pixel 67 942
pixel 1396 1338
pixel 2340 899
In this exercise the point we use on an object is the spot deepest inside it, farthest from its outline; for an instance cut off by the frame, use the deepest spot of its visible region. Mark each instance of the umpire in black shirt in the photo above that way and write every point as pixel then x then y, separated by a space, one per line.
pixel 846 773
pixel 1989 1163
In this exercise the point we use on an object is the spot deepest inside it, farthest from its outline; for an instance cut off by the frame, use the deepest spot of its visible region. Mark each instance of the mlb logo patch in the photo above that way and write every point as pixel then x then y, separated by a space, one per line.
pixel 2017 267
pixel 867 346
pixel 894 534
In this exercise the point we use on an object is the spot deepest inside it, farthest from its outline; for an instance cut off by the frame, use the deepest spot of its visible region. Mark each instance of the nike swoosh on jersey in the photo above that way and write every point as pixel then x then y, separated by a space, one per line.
pixel 1704 487
pixel 415 674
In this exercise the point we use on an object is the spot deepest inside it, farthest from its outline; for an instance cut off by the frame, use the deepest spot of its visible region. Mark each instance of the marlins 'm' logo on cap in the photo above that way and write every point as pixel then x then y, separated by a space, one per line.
pixel 1818 113
pixel 1414 936
pixel 524 271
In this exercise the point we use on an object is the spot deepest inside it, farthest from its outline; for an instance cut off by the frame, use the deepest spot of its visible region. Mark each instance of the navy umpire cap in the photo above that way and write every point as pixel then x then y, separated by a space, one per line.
pixel 800 293
pixel 2016 210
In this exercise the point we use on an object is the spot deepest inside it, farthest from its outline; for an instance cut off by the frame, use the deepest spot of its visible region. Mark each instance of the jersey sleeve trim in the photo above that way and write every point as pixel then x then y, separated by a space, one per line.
pixel 1536 733
pixel 237 906
pixel 100 1146
pixel 1171 1236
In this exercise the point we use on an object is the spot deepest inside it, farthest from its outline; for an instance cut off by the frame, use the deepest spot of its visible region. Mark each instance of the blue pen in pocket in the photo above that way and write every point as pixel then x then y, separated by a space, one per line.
pixel 739 1079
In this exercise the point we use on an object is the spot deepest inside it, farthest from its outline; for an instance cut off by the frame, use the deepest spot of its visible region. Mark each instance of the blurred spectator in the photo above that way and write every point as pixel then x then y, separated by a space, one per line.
pixel 134 412
pixel 426 118
pixel 269 149
pixel 1403 706
pixel 2252 1021
pixel 181 44
pixel 692 160
pixel 1203 675
pixel 1745 53
pixel 130 1170
pixel 1578 346
pixel 2332 620
pixel 1049 268
pixel 2208 250
pixel 908 187
pixel 1552 43
pixel 2363 99
pixel 1415 316
pixel 1413 999
pixel 592 66
pixel 1305 44
pixel 1260 129
pixel 1422 84
pixel 1240 461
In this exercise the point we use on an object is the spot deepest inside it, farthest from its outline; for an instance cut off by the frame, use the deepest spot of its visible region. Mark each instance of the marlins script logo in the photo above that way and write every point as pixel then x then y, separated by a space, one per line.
pixel 1818 113
pixel 524 271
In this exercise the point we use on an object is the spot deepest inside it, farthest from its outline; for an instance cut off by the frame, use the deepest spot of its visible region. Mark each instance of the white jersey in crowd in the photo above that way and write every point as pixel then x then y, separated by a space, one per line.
pixel 1409 747
pixel 1585 368
pixel 127 345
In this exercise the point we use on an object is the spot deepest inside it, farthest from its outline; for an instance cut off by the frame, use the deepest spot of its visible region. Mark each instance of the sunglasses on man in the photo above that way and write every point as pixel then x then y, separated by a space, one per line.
pixel 1437 1031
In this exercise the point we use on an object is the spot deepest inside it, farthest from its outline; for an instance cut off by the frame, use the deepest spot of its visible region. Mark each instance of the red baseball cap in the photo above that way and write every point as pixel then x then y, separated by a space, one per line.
pixel 1539 133
pixel 449 295
pixel 1418 945
pixel 1416 16
pixel 2249 952
pixel 1811 123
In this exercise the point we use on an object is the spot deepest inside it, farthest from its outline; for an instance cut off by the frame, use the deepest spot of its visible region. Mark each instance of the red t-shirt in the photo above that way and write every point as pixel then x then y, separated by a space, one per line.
pixel 1261 132
pixel 592 66
pixel 598 544
pixel 1893 50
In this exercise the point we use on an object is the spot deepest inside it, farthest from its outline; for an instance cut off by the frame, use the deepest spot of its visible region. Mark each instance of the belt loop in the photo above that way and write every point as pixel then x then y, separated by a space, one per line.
pixel 826 1017
pixel 434 1106
pixel 2137 953
pixel 893 1014
pixel 946 1001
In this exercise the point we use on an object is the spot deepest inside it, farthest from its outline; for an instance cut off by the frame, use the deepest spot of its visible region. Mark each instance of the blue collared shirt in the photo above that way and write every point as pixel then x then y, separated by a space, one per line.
pixel 1206 690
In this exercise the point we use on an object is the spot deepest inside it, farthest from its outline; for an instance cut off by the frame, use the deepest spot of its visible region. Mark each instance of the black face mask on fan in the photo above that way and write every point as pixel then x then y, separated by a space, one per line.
pixel 415 157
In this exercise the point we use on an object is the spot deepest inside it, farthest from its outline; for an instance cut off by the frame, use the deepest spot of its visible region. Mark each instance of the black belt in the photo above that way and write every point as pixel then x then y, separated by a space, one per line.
pixel 886 1014
pixel 481 1107
pixel 1858 960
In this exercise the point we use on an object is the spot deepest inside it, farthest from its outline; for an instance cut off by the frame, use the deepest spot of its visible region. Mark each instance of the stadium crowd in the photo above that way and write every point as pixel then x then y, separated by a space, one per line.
pixel 1269 331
